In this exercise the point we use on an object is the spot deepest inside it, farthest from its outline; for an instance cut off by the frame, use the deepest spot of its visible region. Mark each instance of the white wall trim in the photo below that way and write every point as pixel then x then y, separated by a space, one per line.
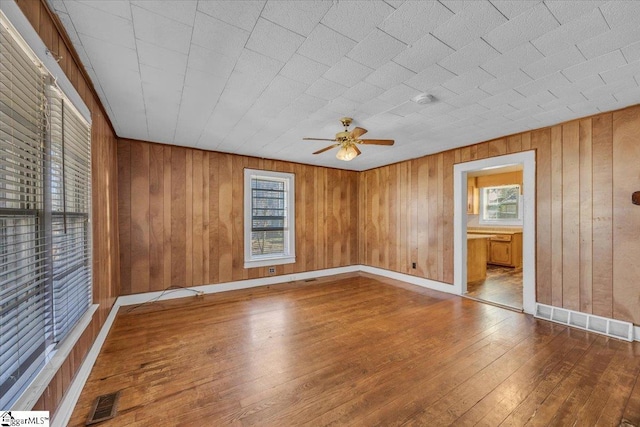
pixel 414 280
pixel 528 160
pixel 231 286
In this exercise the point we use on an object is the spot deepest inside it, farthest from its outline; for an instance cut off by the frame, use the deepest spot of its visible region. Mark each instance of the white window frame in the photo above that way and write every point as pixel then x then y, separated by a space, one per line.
pixel 509 222
pixel 289 255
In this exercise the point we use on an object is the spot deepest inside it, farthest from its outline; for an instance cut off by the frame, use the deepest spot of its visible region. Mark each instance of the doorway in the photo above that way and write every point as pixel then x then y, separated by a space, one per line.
pixel 500 269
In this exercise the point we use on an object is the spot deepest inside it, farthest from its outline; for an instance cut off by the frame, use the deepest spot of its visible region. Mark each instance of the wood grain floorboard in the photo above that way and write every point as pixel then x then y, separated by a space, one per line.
pixel 355 349
pixel 503 285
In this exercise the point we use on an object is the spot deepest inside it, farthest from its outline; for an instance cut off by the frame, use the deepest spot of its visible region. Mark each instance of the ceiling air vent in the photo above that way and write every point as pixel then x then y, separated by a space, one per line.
pixel 104 408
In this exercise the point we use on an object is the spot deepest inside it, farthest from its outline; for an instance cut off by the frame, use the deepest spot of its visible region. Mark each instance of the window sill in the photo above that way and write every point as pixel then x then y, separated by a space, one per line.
pixel 265 262
pixel 32 393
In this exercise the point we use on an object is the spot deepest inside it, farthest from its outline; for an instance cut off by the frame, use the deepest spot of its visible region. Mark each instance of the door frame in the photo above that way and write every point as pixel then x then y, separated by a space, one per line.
pixel 460 170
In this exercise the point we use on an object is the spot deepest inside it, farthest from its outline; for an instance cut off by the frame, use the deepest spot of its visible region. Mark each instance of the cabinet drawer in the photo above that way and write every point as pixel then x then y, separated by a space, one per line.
pixel 502 238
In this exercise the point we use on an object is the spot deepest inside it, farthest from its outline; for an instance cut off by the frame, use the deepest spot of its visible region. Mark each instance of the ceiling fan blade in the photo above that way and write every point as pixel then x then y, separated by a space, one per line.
pixel 357 132
pixel 376 141
pixel 355 147
pixel 318 139
pixel 326 149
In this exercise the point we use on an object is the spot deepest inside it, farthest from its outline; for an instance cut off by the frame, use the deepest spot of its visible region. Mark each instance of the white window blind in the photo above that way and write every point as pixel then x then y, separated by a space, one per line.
pixel 70 190
pixel 45 193
pixel 23 293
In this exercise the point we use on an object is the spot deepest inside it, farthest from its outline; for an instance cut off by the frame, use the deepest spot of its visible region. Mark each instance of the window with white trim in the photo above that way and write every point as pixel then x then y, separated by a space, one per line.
pixel 45 193
pixel 269 218
pixel 501 205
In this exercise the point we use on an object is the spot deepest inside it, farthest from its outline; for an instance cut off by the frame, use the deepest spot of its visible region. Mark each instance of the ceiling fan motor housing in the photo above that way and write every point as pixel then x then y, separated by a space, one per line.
pixel 341 136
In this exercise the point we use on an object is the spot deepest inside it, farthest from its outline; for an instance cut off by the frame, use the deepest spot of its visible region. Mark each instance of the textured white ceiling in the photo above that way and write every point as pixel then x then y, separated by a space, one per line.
pixel 254 77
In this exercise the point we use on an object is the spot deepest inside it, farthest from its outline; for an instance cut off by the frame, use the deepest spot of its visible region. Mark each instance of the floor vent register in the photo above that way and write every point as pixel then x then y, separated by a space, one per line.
pixel 104 408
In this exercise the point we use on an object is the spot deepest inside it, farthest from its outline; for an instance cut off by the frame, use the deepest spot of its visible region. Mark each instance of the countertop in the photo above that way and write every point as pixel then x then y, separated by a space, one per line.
pixel 488 230
pixel 479 236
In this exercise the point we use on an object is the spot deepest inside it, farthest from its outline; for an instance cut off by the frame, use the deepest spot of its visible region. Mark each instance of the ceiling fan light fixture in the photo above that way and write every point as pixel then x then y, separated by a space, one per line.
pixel 347 153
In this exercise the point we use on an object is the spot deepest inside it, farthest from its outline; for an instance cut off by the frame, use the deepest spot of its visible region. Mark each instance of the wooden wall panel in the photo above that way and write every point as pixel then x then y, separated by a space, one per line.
pixel 214 215
pixel 188 209
pixel 541 142
pixel 105 209
pixel 448 160
pixel 441 216
pixel 571 215
pixel 434 217
pixel 225 218
pixel 393 223
pixel 586 217
pixel 320 219
pixel 556 216
pixel 354 226
pixel 193 203
pixel 237 218
pixel 124 214
pixel 156 218
pixel 197 201
pixel 602 150
pixel 626 218
pixel 586 249
pixel 166 216
pixel 140 215
pixel 206 249
pixel 178 219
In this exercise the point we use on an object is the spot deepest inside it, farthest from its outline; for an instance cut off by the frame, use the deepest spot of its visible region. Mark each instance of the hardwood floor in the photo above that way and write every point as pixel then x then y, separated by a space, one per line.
pixel 503 285
pixel 356 350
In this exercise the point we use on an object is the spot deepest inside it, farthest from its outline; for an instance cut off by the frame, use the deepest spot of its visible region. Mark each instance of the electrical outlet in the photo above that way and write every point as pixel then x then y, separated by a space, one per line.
pixel 272 270
pixel 413 265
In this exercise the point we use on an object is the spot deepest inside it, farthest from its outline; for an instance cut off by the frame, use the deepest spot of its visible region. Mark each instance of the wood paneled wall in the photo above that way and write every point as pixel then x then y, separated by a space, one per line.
pixel 406 217
pixel 588 243
pixel 181 217
pixel 104 211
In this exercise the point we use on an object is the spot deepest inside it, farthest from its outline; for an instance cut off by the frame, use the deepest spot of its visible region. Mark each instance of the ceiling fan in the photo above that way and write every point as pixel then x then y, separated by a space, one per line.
pixel 347 141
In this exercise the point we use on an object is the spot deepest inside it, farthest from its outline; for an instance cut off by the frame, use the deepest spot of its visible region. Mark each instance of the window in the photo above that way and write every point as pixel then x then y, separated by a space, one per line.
pixel 45 270
pixel 501 205
pixel 69 190
pixel 269 227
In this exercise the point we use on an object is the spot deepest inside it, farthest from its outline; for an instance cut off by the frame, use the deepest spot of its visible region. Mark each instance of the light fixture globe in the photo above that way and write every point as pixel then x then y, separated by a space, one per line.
pixel 346 153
